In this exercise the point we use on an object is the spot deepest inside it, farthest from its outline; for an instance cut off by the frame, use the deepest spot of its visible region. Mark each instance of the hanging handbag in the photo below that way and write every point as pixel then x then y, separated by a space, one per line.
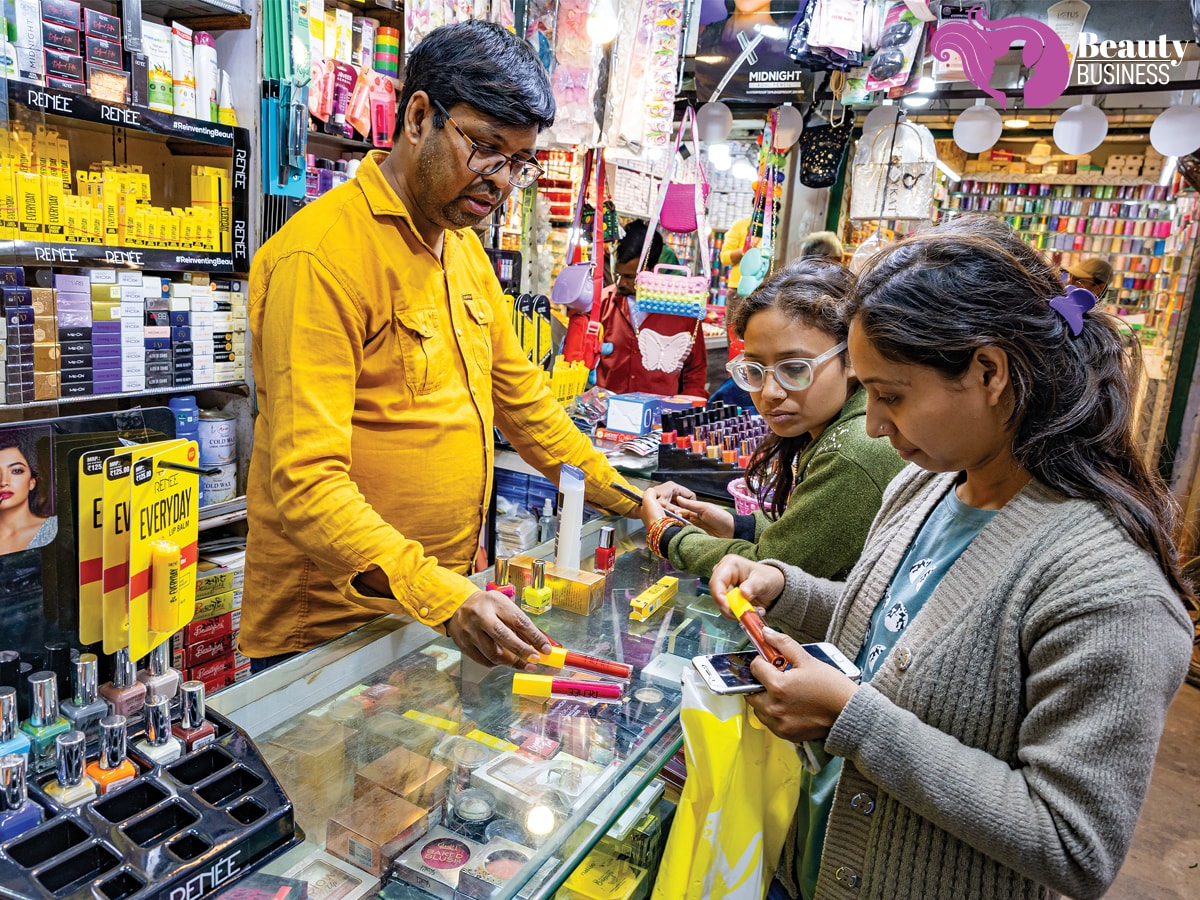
pixel 898 184
pixel 822 148
pixel 756 261
pixel 683 203
pixel 573 286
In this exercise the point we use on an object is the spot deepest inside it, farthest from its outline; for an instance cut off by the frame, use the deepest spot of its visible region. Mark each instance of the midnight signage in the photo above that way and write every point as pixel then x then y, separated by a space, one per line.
pixel 741 52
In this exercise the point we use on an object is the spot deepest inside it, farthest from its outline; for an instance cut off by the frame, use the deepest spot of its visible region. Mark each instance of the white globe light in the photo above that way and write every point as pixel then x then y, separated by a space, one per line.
pixel 977 129
pixel 714 121
pixel 788 125
pixel 718 155
pixel 602 22
pixel 1176 132
pixel 1080 129
pixel 879 118
pixel 915 100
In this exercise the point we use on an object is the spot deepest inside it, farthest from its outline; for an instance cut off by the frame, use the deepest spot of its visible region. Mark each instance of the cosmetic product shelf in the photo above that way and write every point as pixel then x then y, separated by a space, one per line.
pixel 157 392
pixel 182 829
pixel 404 759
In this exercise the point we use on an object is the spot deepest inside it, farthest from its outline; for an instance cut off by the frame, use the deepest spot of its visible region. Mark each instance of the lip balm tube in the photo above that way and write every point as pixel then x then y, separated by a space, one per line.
pixel 164 586
pixel 527 685
pixel 562 658
pixel 606 553
pixel 753 625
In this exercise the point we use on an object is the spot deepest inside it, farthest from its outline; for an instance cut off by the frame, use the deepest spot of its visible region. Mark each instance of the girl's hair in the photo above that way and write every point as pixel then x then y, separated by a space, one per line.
pixel 812 292
pixel 934 299
pixel 26 445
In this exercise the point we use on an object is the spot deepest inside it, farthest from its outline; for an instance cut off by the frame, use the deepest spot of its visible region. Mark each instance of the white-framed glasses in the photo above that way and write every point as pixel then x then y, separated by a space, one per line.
pixel 791 374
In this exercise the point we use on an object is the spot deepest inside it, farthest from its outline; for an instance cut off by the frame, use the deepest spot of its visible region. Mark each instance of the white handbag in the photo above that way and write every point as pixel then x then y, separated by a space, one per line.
pixel 894 174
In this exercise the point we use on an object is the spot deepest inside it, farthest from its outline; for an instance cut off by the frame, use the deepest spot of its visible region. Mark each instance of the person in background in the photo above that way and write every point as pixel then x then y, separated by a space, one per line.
pixel 24 524
pixel 654 353
pixel 820 477
pixel 732 251
pixel 822 243
pixel 382 358
pixel 1018 611
pixel 1091 273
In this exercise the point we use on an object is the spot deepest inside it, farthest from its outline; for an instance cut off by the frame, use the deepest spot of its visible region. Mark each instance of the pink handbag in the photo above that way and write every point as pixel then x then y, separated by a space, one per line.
pixel 679 212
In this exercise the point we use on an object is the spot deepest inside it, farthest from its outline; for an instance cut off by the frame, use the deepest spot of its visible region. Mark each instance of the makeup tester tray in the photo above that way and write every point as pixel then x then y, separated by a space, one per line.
pixel 178 832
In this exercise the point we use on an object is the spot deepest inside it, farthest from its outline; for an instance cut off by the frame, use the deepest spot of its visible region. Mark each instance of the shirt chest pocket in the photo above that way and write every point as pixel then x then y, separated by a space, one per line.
pixel 479 330
pixel 422 349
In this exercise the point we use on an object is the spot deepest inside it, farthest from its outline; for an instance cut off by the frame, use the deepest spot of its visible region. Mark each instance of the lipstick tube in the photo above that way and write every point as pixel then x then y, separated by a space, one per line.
pixel 562 658
pixel 753 625
pixel 562 688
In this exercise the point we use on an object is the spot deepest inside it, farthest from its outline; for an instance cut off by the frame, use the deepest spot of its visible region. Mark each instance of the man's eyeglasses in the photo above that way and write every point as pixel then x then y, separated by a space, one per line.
pixel 522 173
pixel 791 374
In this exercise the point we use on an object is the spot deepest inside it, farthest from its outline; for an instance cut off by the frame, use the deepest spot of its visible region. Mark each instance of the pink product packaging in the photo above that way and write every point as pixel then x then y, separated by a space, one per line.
pixel 358 109
pixel 71 318
pixel 383 110
pixel 344 78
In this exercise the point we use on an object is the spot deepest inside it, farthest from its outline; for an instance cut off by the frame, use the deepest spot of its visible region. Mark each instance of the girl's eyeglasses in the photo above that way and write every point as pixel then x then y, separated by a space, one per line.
pixel 522 173
pixel 791 374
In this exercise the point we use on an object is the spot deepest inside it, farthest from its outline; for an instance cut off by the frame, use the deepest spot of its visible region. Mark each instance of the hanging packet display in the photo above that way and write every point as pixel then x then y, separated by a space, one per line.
pixel 893 61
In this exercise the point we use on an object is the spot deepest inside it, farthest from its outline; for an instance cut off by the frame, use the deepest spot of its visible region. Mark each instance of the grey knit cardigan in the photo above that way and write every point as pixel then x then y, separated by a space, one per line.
pixel 1004 748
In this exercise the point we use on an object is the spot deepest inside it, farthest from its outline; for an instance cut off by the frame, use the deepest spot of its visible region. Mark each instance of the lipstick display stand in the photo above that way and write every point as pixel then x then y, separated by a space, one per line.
pixel 181 830
pixel 416 773
pixel 709 478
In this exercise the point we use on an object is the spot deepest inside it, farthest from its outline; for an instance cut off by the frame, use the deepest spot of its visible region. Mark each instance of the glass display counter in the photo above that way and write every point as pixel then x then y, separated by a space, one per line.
pixel 415 772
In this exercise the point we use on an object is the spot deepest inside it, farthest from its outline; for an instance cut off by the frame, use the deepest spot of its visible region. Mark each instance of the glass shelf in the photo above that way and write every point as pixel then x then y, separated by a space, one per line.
pixel 157 392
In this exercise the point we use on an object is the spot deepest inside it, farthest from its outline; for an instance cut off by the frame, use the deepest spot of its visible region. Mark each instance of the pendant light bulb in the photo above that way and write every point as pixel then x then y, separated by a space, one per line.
pixel 602 22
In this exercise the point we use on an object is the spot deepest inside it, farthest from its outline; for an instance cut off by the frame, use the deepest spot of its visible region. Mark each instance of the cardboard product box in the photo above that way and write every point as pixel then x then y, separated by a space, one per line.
pixel 574 590
pixel 329 878
pixel 435 863
pixel 604 877
pixel 415 778
pixel 376 828
pixel 209 628
pixel 206 651
pixel 492 868
pixel 212 670
pixel 635 413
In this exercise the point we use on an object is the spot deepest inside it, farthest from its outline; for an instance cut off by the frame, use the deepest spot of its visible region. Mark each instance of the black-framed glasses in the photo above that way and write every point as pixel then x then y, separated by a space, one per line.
pixel 791 374
pixel 522 173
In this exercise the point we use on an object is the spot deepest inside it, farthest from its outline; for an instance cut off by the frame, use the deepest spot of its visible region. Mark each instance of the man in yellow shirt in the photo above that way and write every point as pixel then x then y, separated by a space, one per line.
pixel 732 250
pixel 382 357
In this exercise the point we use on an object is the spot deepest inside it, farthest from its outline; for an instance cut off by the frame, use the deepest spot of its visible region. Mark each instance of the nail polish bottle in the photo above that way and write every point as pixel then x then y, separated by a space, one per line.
pixel 85 708
pixel 58 660
pixel 192 728
pixel 70 788
pixel 606 553
pixel 125 694
pixel 12 739
pixel 160 678
pixel 159 746
pixel 536 598
pixel 45 723
pixel 17 812
pixel 111 769
pixel 501 583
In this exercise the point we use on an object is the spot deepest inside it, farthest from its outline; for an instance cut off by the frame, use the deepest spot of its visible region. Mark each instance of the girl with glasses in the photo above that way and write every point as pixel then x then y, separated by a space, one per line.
pixel 819 477
pixel 1018 611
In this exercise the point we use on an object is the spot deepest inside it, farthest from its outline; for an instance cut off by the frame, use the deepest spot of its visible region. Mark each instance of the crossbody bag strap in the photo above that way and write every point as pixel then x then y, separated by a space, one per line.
pixel 584 182
pixel 662 193
pixel 598 238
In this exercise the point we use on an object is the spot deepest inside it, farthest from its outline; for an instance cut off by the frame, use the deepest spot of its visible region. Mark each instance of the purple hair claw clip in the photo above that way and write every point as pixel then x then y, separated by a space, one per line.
pixel 1072 305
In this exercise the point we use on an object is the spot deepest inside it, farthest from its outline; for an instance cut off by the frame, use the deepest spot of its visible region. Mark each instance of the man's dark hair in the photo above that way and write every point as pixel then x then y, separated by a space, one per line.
pixel 483 65
pixel 630 246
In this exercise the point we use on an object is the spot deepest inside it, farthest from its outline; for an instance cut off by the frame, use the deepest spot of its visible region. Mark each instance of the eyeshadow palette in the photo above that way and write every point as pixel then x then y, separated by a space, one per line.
pixel 181 829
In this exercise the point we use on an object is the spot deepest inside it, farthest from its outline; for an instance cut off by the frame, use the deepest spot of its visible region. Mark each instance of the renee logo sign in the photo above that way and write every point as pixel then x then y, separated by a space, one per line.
pixel 980 42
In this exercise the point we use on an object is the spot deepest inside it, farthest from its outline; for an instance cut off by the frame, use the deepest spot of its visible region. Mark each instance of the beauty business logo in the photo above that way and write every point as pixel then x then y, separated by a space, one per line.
pixel 1144 62
pixel 981 42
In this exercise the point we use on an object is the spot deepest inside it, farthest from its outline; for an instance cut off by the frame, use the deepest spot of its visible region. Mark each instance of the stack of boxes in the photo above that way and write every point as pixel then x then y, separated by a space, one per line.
pixel 1153 166
pixel 1124 164
pixel 205 650
pixel 16 349
pixel 102 50
pixel 75 332
pixel 46 353
pixel 62 44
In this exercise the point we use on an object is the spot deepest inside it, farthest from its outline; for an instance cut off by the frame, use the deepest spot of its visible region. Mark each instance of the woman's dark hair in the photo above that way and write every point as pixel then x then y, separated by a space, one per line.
pixel 630 246
pixel 26 445
pixel 813 292
pixel 483 65
pixel 935 298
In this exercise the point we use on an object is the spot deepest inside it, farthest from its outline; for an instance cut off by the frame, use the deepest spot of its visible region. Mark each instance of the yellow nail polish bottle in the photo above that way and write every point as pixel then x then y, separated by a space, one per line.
pixel 536 598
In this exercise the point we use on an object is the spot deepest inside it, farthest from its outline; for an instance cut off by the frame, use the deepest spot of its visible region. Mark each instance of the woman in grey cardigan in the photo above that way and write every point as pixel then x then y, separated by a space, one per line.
pixel 1018 610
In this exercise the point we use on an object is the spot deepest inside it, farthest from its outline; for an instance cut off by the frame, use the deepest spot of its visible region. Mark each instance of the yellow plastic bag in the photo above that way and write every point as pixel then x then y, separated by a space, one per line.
pixel 742 787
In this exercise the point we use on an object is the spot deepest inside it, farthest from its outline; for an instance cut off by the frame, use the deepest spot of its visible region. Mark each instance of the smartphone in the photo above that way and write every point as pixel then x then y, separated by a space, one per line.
pixel 729 673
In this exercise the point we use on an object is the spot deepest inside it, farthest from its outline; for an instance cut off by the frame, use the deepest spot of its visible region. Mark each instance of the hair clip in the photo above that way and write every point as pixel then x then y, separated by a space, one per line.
pixel 1072 305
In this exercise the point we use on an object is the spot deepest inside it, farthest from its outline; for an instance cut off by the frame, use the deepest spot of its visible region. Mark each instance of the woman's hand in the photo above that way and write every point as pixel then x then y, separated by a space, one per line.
pixel 659 498
pixel 714 519
pixel 802 703
pixel 760 584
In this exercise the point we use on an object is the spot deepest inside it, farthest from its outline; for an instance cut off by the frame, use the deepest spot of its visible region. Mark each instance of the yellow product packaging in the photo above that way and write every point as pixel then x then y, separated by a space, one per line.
pixel 90 534
pixel 163 548
pixel 9 229
pixel 29 205
pixel 55 222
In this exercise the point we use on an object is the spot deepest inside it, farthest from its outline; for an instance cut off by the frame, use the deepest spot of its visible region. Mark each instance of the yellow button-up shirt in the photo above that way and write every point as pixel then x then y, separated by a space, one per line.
pixel 379 372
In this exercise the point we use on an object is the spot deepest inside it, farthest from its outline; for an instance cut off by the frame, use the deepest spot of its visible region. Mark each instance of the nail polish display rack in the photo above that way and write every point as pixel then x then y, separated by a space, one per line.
pixel 681 463
pixel 183 829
